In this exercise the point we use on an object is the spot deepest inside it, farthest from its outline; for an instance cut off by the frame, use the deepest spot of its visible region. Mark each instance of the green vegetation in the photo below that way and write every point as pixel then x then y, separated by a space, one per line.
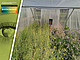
pixel 66 44
pixel 32 43
pixel 35 43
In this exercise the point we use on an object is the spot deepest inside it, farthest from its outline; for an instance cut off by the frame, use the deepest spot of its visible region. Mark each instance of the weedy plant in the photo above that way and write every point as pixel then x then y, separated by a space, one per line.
pixel 66 44
pixel 34 43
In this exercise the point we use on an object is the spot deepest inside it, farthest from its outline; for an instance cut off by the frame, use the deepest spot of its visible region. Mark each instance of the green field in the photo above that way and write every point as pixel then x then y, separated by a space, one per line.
pixel 6 42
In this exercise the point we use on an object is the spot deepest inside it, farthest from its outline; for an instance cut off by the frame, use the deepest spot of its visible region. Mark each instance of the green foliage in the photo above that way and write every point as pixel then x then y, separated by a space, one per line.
pixel 34 43
pixel 65 43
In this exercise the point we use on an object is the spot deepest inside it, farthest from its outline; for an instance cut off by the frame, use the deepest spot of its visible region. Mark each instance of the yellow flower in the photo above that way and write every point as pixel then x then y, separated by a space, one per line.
pixel 62 58
pixel 46 52
pixel 54 37
pixel 59 51
pixel 48 36
pixel 54 47
pixel 64 49
pixel 67 47
pixel 64 53
pixel 54 58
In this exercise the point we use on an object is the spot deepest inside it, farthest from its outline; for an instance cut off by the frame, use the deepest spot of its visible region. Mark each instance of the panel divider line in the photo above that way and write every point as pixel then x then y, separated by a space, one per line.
pixel 16 30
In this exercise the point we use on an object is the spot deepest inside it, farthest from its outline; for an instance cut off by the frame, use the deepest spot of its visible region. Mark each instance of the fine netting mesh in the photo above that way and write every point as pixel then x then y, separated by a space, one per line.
pixel 74 20
pixel 38 40
pixel 59 16
pixel 29 15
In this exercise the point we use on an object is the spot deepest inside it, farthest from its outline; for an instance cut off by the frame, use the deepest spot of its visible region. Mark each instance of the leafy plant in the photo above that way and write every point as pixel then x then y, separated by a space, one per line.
pixel 36 43
pixel 65 43
pixel 32 43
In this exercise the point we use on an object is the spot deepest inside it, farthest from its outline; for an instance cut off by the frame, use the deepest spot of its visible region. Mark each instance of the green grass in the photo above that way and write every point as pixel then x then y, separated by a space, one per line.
pixel 6 42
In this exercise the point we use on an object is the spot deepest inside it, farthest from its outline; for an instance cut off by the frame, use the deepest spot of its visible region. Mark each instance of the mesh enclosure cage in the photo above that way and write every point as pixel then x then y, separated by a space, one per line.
pixel 63 32
pixel 59 16
pixel 50 30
